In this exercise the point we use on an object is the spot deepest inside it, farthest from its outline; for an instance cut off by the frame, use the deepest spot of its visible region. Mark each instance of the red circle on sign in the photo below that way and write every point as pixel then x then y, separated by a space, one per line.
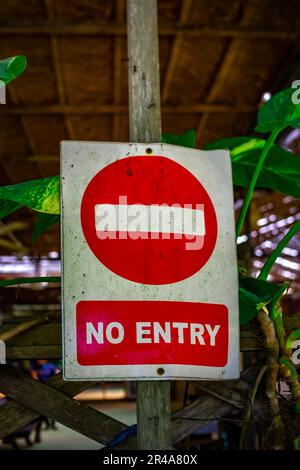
pixel 156 255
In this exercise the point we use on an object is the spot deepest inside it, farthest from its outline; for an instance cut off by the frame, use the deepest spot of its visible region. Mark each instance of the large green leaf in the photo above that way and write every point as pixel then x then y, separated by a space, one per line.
pixel 11 68
pixel 253 295
pixel 188 139
pixel 41 195
pixel 43 222
pixel 7 207
pixel 279 112
pixel 281 170
pixel 247 305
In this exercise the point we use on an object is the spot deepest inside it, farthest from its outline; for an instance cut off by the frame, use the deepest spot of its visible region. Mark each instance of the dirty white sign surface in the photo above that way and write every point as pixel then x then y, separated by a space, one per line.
pixel 150 287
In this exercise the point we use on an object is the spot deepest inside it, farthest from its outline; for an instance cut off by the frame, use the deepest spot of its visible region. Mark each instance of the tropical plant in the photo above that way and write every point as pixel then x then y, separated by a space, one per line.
pixel 11 68
pixel 256 162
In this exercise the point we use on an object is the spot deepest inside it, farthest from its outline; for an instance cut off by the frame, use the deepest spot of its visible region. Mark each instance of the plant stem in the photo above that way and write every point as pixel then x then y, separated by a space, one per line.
pixel 28 280
pixel 280 331
pixel 264 153
pixel 250 406
pixel 274 255
pixel 272 349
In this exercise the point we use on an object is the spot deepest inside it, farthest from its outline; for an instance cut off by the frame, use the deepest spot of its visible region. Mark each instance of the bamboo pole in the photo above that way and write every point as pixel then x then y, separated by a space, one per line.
pixel 153 397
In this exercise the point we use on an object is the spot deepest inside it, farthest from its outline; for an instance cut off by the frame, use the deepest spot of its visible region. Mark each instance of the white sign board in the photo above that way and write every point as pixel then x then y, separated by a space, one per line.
pixel 150 287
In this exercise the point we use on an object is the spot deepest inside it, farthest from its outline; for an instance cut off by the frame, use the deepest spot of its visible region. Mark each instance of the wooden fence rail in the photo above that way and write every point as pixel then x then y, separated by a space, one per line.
pixel 29 399
pixel 44 341
pixel 33 398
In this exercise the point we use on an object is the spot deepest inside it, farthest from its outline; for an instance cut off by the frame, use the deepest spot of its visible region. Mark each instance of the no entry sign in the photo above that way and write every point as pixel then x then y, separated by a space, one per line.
pixel 148 211
pixel 149 263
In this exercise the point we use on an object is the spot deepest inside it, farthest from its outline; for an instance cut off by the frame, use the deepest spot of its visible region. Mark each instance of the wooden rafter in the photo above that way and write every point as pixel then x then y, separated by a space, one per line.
pixel 43 399
pixel 170 29
pixel 117 92
pixel 220 400
pixel 184 16
pixel 223 68
pixel 123 109
pixel 13 415
pixel 31 398
pixel 58 69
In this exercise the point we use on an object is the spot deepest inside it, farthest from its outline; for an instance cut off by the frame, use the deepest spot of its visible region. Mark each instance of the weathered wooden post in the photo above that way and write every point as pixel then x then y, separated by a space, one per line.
pixel 153 398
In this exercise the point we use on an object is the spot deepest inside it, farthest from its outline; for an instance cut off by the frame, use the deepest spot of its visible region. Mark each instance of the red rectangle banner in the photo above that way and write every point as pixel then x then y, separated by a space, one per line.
pixel 151 332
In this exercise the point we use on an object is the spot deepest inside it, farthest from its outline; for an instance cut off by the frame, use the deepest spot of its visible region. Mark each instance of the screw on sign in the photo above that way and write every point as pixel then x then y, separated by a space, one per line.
pixel 149 220
pixel 150 285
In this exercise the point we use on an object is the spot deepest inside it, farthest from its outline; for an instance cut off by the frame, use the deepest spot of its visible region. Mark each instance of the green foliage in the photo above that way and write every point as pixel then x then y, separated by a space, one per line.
pixel 297 440
pixel 291 338
pixel 28 280
pixel 279 112
pixel 281 170
pixel 41 195
pixel 11 68
pixel 255 294
pixel 274 311
pixel 286 362
pixel 248 303
pixel 188 139
pixel 43 222
pixel 281 245
pixel 7 207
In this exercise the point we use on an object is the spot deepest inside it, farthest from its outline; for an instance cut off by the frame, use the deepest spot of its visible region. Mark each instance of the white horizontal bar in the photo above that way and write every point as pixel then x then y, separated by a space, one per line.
pixel 151 218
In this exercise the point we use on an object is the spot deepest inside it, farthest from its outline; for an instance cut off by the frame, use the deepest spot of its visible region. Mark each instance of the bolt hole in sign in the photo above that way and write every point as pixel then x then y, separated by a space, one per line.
pixel 150 288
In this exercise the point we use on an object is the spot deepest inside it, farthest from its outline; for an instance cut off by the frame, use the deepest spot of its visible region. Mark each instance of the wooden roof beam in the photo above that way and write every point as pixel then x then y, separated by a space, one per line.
pixel 58 69
pixel 177 43
pixel 224 65
pixel 117 90
pixel 171 29
pixel 123 109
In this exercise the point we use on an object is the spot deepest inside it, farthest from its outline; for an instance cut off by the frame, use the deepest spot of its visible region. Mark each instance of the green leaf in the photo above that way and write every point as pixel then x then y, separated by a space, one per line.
pixel 297 409
pixel 7 207
pixel 28 280
pixel 274 311
pixel 283 361
pixel 279 112
pixel 12 67
pixel 43 222
pixel 278 250
pixel 41 195
pixel 188 139
pixel 254 294
pixel 281 170
pixel 291 338
pixel 247 306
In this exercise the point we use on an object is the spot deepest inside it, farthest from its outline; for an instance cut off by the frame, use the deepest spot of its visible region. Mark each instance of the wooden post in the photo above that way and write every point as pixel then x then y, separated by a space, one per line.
pixel 153 398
